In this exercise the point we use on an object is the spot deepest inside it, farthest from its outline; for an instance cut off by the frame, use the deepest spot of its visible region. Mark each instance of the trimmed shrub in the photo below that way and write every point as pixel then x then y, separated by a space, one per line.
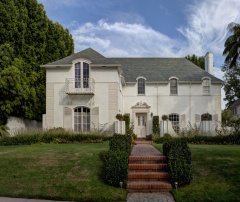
pixel 200 139
pixel 52 136
pixel 120 142
pixel 115 167
pixel 179 161
pixel 155 127
pixel 126 118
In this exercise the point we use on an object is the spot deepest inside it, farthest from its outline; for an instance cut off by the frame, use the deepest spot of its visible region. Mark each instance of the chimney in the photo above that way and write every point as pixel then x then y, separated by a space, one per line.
pixel 209 62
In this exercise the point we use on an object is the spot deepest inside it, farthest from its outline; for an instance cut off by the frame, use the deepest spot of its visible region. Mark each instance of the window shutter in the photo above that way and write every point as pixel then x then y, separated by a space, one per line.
pixel 197 118
pixel 95 116
pixel 182 117
pixel 67 118
pixel 215 117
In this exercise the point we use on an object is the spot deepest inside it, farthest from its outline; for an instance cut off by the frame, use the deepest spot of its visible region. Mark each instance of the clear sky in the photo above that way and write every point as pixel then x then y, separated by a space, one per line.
pixel 147 28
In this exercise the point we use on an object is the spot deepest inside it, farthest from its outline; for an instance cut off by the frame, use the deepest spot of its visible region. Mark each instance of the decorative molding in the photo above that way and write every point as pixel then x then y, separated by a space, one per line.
pixel 141 105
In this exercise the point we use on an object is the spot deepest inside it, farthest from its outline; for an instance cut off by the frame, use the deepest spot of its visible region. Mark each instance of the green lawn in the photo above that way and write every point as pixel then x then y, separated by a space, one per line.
pixel 55 171
pixel 216 174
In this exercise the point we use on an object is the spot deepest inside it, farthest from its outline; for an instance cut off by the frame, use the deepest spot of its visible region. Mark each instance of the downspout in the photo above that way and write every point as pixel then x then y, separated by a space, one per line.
pixel 157 98
pixel 190 101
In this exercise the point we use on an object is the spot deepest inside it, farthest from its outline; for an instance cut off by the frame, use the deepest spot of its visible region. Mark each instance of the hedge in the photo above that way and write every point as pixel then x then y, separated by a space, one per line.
pixel 179 161
pixel 48 137
pixel 200 139
pixel 115 161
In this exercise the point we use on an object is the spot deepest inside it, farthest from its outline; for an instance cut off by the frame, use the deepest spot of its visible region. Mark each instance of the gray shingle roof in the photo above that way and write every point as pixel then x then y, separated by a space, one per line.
pixel 153 69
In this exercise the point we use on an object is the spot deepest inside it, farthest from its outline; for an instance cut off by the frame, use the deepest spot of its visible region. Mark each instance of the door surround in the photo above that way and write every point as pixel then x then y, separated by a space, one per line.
pixel 140 108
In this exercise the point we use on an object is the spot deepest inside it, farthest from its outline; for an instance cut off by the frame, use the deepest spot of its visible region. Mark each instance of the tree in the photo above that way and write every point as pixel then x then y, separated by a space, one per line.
pixel 199 61
pixel 232 46
pixel 28 39
pixel 231 65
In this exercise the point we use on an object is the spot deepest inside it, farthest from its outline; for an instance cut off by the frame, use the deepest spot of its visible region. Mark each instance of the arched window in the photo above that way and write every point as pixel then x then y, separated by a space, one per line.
pixel 173 87
pixel 141 86
pixel 81 75
pixel 206 117
pixel 206 86
pixel 81 119
pixel 174 118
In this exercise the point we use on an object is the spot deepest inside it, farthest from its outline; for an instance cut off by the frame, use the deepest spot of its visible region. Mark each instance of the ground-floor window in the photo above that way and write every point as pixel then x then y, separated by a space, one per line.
pixel 174 118
pixel 81 119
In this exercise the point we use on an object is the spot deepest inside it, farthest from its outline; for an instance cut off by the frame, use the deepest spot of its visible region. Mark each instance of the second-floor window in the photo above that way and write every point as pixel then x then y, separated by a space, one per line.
pixel 81 75
pixel 173 87
pixel 206 86
pixel 141 86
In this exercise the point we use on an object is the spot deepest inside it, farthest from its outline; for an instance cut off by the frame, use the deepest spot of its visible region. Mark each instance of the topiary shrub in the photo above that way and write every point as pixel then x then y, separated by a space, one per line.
pixel 179 161
pixel 155 127
pixel 120 142
pixel 126 118
pixel 115 167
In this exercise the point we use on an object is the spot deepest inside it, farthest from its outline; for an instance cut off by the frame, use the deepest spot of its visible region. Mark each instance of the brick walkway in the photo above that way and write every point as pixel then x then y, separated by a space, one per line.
pixel 146 149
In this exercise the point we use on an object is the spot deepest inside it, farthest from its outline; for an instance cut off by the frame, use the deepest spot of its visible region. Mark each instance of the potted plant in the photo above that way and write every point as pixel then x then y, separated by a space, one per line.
pixel 119 117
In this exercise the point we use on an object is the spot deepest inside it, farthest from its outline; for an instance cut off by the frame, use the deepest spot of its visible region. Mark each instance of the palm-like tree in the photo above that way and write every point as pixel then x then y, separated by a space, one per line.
pixel 232 46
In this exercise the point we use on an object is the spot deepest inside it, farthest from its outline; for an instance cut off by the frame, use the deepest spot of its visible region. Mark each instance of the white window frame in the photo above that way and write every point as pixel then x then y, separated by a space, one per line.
pixel 175 120
pixel 206 84
pixel 173 88
pixel 141 90
pixel 82 120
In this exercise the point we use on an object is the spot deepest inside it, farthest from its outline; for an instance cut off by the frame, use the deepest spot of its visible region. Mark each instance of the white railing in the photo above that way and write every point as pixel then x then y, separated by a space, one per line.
pixel 80 86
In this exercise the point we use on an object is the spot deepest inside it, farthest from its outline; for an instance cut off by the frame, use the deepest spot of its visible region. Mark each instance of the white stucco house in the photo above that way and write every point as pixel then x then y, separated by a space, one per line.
pixel 86 90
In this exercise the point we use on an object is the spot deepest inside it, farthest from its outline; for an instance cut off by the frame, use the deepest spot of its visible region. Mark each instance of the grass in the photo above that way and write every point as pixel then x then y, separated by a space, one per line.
pixel 216 174
pixel 55 171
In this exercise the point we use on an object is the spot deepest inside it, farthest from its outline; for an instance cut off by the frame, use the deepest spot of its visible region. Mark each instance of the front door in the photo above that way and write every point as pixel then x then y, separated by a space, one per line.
pixel 141 125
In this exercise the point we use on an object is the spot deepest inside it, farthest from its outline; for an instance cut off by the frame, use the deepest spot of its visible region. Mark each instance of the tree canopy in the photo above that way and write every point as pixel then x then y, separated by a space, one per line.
pixel 231 66
pixel 232 46
pixel 28 39
pixel 199 61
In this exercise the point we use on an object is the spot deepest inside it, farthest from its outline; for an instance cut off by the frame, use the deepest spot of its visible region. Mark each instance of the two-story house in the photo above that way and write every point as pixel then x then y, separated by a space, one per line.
pixel 86 90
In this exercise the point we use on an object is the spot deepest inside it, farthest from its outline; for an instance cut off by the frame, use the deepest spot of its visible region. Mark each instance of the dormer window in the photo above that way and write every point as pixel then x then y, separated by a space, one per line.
pixel 141 86
pixel 173 86
pixel 206 86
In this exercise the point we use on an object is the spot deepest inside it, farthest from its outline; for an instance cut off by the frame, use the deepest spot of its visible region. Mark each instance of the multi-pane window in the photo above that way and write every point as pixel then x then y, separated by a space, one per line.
pixel 78 75
pixel 141 86
pixel 174 118
pixel 206 86
pixel 206 117
pixel 81 75
pixel 173 87
pixel 81 119
pixel 85 75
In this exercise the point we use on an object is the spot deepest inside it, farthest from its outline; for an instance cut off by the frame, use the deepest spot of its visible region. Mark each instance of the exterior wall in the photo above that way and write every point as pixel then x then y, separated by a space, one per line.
pixel 188 103
pixel 17 125
pixel 104 104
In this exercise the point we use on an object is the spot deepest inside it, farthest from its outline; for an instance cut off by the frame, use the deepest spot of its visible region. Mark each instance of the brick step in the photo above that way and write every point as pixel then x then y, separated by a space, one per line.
pixel 143 186
pixel 147 159
pixel 143 142
pixel 147 167
pixel 148 176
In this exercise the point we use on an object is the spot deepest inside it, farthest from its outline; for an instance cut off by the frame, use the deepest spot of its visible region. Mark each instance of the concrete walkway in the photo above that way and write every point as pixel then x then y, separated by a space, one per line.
pixel 6 199
pixel 146 149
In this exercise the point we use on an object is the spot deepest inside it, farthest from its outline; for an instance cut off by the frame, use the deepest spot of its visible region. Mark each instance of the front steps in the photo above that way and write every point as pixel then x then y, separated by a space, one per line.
pixel 147 173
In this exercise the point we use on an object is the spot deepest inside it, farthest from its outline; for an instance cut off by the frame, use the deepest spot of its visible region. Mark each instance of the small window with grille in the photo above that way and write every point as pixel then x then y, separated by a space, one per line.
pixel 206 86
pixel 173 87
pixel 141 86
